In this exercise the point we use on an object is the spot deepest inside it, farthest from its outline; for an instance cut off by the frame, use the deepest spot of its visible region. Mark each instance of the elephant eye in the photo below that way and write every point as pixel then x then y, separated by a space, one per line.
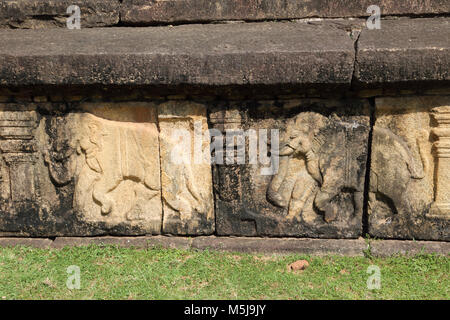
pixel 294 134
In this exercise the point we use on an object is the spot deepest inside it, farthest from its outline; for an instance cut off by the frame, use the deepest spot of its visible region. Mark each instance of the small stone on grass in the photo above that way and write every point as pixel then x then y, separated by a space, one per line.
pixel 298 265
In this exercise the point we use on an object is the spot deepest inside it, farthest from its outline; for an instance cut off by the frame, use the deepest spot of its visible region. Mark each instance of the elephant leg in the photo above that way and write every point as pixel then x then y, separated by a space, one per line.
pixel 397 196
pixel 372 201
pixel 324 204
pixel 358 200
pixel 150 182
pixel 141 197
pixel 275 198
pixel 300 195
pixel 100 192
pixel 401 204
pixel 331 212
pixel 272 193
pixel 322 200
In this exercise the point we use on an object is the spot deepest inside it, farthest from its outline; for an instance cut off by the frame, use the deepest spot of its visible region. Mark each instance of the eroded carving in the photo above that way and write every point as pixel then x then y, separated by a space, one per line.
pixel 394 167
pixel 408 191
pixel 319 186
pixel 59 150
pixel 107 157
pixel 186 182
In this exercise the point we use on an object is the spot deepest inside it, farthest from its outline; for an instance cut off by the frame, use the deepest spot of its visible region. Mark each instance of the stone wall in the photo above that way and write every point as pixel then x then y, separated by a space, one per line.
pixel 38 14
pixel 135 129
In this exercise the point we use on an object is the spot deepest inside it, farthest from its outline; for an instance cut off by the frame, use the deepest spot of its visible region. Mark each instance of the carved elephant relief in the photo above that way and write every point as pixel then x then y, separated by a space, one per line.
pixel 111 163
pixel 324 168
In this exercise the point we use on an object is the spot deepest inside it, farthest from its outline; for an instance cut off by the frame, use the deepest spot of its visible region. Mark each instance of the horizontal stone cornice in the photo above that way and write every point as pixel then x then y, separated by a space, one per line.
pixel 247 54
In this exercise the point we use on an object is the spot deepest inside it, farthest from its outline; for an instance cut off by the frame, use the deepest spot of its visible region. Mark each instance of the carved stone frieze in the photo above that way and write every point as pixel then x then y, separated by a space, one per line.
pixel 294 168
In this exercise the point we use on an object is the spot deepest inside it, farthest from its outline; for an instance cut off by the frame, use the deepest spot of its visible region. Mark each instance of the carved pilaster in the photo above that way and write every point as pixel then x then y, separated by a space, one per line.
pixel 226 169
pixel 17 146
pixel 441 206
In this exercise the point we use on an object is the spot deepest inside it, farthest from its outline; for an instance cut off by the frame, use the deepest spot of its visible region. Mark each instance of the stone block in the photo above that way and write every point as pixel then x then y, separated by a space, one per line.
pixel 27 242
pixel 40 14
pixel 185 169
pixel 148 12
pixel 345 247
pixel 409 193
pixel 312 185
pixel 403 52
pixel 96 169
pixel 386 248
pixel 198 55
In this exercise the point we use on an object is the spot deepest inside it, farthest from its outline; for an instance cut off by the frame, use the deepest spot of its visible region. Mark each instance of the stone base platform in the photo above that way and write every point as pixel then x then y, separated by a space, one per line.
pixel 343 247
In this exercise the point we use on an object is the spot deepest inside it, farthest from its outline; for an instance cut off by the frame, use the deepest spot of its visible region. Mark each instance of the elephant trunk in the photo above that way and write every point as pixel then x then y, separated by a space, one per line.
pixel 59 172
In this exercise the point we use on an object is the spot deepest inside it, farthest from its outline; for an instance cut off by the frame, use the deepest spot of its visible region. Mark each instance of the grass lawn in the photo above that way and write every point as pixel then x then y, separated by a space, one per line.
pixel 126 273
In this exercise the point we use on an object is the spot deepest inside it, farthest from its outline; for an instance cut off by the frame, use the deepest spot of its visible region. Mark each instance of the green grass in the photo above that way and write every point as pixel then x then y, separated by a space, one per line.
pixel 120 273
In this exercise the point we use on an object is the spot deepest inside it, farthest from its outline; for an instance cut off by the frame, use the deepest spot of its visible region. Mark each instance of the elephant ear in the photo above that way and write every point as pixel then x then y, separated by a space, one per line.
pixel 94 164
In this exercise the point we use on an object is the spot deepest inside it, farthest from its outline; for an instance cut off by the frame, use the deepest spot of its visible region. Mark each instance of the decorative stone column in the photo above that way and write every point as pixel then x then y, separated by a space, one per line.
pixel 441 207
pixel 17 147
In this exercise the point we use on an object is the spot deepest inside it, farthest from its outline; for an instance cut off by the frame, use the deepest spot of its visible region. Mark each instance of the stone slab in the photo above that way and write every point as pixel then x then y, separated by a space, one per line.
pixel 383 248
pixel 145 12
pixel 186 177
pixel 29 242
pixel 306 178
pixel 409 193
pixel 282 245
pixel 40 14
pixel 168 242
pixel 125 242
pixel 104 168
pixel 404 51
pixel 210 55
